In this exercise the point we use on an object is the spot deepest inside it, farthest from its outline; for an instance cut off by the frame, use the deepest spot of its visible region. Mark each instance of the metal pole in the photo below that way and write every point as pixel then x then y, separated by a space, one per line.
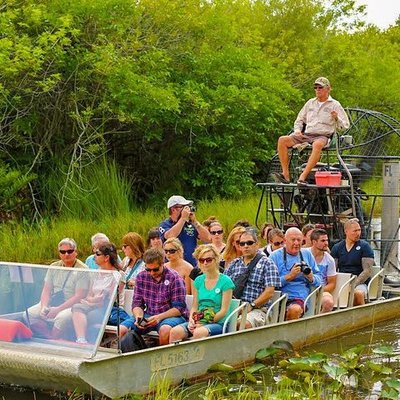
pixel 390 216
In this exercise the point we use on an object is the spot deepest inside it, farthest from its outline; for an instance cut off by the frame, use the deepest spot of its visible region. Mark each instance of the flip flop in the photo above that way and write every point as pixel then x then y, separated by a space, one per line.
pixel 280 178
pixel 300 182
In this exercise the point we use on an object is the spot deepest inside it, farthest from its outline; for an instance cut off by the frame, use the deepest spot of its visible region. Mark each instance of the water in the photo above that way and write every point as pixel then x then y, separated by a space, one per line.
pixel 386 332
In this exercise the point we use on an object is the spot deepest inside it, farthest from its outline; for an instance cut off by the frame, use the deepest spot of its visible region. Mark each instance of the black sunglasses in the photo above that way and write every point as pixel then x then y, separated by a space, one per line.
pixel 99 253
pixel 248 243
pixel 220 232
pixel 278 243
pixel 152 269
pixel 70 251
pixel 170 251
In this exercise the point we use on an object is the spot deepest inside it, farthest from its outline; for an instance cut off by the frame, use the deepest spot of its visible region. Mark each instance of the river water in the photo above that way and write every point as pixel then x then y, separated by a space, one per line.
pixel 386 332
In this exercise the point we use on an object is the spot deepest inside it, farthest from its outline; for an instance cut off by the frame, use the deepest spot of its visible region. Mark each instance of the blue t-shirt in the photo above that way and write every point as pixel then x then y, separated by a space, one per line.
pixel 300 287
pixel 91 263
pixel 350 261
pixel 212 298
pixel 188 238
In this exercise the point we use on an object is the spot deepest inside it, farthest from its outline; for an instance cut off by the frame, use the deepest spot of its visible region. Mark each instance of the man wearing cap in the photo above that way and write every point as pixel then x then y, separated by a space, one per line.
pixel 182 223
pixel 321 116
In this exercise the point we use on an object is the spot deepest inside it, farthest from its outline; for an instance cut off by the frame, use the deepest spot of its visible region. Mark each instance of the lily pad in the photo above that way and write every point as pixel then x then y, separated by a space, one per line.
pixel 255 368
pixel 385 350
pixel 221 367
pixel 267 352
pixel 382 369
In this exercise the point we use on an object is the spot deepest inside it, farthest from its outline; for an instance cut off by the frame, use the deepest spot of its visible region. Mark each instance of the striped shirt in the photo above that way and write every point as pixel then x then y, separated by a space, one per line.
pixel 157 297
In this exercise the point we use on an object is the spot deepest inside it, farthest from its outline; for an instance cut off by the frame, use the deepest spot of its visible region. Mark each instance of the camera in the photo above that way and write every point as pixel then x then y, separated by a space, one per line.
pixel 192 209
pixel 142 321
pixel 305 268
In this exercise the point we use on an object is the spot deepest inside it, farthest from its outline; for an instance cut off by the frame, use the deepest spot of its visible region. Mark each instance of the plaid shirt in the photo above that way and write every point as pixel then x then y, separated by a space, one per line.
pixel 265 274
pixel 158 297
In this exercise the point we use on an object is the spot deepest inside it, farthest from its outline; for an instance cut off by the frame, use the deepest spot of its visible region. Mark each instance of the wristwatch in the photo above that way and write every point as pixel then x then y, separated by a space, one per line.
pixel 253 304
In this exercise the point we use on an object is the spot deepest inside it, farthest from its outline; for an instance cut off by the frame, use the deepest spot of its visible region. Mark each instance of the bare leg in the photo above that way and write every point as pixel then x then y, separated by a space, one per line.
pixel 284 144
pixel 200 332
pixel 80 324
pixel 359 298
pixel 177 333
pixel 315 155
pixel 164 334
pixel 327 302
pixel 294 311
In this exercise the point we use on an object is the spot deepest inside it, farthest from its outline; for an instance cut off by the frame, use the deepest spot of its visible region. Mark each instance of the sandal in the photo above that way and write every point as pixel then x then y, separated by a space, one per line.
pixel 280 178
pixel 300 182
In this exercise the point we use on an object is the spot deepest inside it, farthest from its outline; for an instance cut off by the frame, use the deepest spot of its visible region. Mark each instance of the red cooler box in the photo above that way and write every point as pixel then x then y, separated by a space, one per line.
pixel 328 178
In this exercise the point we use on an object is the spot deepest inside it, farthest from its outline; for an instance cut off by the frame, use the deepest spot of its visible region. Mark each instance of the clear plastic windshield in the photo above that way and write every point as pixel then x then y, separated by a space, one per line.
pixel 55 308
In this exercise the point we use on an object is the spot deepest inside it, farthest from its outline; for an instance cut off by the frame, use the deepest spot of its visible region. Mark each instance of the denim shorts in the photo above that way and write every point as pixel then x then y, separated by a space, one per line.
pixel 213 329
pixel 173 321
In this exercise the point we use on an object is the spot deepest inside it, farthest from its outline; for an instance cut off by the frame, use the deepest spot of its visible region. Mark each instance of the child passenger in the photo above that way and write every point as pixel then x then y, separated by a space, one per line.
pixel 212 295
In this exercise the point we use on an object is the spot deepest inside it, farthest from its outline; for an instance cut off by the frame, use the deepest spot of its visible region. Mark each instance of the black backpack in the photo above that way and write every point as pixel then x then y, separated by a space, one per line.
pixel 132 341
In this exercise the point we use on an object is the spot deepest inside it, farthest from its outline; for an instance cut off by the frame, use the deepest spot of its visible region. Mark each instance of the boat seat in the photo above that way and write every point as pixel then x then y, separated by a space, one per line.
pixel 277 310
pixel 312 303
pixel 343 295
pixel 375 285
pixel 232 320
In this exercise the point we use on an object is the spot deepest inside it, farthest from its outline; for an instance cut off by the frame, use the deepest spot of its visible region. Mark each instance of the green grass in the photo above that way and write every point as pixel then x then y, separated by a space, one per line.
pixel 38 243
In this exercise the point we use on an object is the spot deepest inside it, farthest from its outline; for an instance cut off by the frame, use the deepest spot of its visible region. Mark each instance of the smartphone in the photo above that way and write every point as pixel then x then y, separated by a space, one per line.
pixel 142 322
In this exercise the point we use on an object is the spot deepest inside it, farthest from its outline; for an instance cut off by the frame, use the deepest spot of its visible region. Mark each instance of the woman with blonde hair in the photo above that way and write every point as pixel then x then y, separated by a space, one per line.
pixel 173 250
pixel 132 264
pixel 232 249
pixel 217 235
pixel 212 295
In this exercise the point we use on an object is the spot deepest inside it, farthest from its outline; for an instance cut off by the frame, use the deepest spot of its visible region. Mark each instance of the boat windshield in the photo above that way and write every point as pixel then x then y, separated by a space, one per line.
pixel 55 308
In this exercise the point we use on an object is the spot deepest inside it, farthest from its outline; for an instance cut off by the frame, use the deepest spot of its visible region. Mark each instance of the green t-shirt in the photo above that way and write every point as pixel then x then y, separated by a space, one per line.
pixel 212 299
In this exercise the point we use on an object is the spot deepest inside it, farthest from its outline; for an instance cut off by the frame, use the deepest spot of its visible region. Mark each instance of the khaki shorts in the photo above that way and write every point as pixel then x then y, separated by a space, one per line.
pixel 308 138
pixel 256 317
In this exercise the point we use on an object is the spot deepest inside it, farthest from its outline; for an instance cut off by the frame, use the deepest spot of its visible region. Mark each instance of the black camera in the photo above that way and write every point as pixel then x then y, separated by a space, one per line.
pixel 142 322
pixel 192 209
pixel 305 268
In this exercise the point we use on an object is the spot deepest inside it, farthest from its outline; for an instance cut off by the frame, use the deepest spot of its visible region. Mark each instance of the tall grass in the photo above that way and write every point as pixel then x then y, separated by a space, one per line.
pixel 38 243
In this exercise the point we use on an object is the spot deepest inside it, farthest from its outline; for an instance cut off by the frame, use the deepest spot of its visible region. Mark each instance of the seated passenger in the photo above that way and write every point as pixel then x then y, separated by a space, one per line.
pixel 212 295
pixel 52 316
pixel 326 264
pixel 232 249
pixel 263 279
pixel 296 279
pixel 217 236
pixel 307 231
pixel 97 240
pixel 91 309
pixel 132 264
pixel 173 250
pixel 276 240
pixel 154 239
pixel 159 301
pixel 354 256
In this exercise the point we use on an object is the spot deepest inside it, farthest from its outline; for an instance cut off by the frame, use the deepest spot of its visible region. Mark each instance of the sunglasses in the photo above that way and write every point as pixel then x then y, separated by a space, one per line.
pixel 237 242
pixel 99 253
pixel 206 260
pixel 125 245
pixel 278 243
pixel 70 251
pixel 248 243
pixel 318 87
pixel 170 251
pixel 152 269
pixel 220 232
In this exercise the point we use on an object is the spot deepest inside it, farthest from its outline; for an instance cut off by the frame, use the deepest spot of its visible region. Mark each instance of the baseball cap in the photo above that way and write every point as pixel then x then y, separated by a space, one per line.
pixel 322 81
pixel 178 200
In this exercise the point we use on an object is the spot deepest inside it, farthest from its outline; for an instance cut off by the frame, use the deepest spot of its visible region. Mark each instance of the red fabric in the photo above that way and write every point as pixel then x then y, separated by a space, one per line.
pixel 13 330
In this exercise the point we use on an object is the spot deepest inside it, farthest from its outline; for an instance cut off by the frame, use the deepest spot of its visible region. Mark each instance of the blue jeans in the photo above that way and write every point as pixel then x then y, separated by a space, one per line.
pixel 213 329
pixel 172 321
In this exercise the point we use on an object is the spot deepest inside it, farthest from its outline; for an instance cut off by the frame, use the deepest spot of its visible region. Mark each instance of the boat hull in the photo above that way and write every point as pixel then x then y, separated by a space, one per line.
pixel 116 375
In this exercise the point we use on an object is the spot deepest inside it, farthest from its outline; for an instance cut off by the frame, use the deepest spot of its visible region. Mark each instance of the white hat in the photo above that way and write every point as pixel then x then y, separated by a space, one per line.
pixel 178 200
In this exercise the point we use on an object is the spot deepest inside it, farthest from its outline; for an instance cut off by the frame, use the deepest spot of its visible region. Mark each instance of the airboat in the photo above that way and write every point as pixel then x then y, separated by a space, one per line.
pixel 34 359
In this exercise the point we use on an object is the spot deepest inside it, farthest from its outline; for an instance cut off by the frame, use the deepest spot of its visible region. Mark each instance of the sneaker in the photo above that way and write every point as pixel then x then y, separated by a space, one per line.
pixel 81 340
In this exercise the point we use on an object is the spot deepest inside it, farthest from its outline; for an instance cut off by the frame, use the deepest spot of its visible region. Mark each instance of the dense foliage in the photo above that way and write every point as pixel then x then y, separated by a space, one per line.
pixel 185 96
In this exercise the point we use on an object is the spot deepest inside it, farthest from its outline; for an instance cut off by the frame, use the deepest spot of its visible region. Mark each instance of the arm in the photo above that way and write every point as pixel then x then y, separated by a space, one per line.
pixel 367 264
pixel 175 230
pixel 265 296
pixel 342 120
pixel 226 301
pixel 300 120
pixel 46 293
pixel 204 235
pixel 331 284
pixel 76 298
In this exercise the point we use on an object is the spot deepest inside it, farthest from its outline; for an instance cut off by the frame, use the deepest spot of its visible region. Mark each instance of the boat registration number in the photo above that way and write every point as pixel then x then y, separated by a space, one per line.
pixel 175 357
